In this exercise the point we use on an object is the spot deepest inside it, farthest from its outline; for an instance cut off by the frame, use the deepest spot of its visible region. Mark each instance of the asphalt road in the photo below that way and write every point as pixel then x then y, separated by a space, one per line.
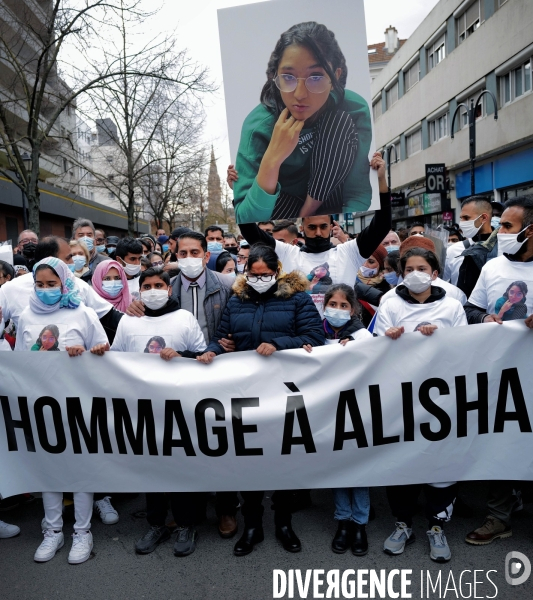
pixel 212 573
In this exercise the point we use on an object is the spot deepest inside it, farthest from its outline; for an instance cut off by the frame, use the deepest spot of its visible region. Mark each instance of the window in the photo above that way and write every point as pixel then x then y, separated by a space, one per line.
pixel 411 76
pixel 413 142
pixel 469 21
pixel 391 95
pixel 110 195
pixel 111 177
pixel 480 110
pixel 109 158
pixel 516 83
pixel 436 52
pixel 377 109
pixel 438 128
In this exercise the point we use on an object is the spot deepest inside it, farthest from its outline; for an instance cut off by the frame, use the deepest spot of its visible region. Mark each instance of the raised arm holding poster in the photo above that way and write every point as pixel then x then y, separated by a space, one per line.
pixel 305 149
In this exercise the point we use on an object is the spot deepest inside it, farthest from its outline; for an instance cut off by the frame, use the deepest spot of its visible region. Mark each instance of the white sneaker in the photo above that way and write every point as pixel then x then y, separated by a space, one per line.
pixel 106 511
pixel 82 545
pixel 50 545
pixel 8 531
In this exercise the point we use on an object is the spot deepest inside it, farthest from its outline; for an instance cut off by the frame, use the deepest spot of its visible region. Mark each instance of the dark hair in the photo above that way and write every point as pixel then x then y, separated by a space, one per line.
pixel 227 236
pixel 145 262
pixel 523 288
pixel 155 253
pixel 6 269
pixel 222 260
pixel 266 254
pixel 322 266
pixel 48 246
pixel 286 225
pixel 158 339
pixel 266 223
pixel 213 228
pixel 416 224
pixel 149 236
pixel 55 332
pixel 348 292
pixel 128 245
pixel 481 202
pixel 498 206
pixel 147 245
pixel 427 255
pixel 154 272
pixel 393 258
pixel 193 235
pixel 322 44
pixel 454 230
pixel 525 202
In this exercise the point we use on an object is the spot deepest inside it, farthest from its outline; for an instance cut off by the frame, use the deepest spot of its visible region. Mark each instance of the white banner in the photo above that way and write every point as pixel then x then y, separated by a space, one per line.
pixel 455 406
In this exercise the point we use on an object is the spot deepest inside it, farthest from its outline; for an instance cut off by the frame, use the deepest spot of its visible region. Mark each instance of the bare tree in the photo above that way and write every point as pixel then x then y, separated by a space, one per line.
pixel 150 134
pixel 33 36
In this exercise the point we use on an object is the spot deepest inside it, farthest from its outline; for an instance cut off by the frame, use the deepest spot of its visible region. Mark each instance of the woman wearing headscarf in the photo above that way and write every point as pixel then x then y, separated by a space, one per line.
pixel 270 311
pixel 55 304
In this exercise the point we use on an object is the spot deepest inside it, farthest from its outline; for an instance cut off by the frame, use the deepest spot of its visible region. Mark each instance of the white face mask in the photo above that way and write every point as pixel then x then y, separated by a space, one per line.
pixel 262 286
pixel 131 270
pixel 191 267
pixel 367 271
pixel 240 268
pixel 469 228
pixel 154 299
pixel 417 281
pixel 508 243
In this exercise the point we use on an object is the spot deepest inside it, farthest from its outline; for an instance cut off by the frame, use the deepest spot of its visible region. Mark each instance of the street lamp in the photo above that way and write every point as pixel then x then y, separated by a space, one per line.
pixel 471 112
pixel 26 159
pixel 388 151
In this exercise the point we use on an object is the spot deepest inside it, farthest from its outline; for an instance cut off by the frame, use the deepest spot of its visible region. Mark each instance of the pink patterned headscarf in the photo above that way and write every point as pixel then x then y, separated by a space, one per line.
pixel 123 300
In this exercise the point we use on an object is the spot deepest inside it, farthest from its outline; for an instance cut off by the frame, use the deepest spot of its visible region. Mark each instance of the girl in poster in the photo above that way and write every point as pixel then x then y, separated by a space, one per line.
pixel 304 149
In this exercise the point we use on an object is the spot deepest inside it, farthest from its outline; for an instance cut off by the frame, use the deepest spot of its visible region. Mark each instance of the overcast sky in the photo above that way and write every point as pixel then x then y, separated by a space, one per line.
pixel 195 22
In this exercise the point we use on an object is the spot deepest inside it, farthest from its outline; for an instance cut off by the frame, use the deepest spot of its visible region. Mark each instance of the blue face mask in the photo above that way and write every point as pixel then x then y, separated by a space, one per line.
pixel 215 247
pixel 391 278
pixel 337 317
pixel 48 296
pixel 72 267
pixel 495 222
pixel 165 247
pixel 392 249
pixel 79 262
pixel 113 288
pixel 100 248
pixel 89 242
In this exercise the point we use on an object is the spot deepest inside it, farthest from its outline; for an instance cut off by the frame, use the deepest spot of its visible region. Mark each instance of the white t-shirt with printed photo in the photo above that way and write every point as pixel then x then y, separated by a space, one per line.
pixel 56 330
pixel 505 288
pixel 396 312
pixel 178 330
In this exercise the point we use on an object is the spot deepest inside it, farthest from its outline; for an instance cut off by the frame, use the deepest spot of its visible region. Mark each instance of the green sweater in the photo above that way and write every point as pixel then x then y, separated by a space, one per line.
pixel 253 204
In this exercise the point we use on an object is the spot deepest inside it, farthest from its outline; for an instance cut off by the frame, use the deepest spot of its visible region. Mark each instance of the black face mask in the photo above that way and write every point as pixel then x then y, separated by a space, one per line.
pixel 314 245
pixel 232 250
pixel 28 251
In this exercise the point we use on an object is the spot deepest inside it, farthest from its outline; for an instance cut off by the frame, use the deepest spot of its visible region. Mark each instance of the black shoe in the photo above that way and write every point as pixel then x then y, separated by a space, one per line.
pixel 151 540
pixel 250 537
pixel 185 543
pixel 341 541
pixel 359 543
pixel 372 514
pixel 288 538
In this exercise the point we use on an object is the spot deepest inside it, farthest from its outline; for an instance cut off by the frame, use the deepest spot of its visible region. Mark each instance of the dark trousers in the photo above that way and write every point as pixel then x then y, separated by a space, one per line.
pixel 252 508
pixel 500 501
pixel 332 157
pixel 439 502
pixel 182 504
pixel 226 503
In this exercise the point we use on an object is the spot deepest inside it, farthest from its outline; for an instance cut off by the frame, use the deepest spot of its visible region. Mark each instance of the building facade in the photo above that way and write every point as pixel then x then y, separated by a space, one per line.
pixel 461 49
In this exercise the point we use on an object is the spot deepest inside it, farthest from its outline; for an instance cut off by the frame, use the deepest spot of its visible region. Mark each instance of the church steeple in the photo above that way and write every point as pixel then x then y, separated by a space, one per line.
pixel 214 192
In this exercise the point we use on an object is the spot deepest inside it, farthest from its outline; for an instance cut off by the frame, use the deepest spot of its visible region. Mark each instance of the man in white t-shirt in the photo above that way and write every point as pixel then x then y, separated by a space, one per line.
pixel 128 253
pixel 504 292
pixel 476 214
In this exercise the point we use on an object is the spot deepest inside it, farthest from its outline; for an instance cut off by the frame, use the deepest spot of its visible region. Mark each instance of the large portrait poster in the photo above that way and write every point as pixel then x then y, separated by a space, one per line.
pixel 297 91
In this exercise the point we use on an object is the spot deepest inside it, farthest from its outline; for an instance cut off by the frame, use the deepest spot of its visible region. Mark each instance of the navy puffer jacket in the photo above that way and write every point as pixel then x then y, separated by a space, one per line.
pixel 284 316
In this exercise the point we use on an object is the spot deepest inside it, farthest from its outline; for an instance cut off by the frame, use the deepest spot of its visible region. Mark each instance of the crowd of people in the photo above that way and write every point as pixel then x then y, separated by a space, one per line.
pixel 276 285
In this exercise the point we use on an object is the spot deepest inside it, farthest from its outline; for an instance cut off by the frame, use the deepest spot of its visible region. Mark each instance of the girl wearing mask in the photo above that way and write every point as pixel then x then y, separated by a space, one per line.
pixel 270 311
pixel 81 258
pixel 391 268
pixel 55 300
pixel 225 264
pixel 420 307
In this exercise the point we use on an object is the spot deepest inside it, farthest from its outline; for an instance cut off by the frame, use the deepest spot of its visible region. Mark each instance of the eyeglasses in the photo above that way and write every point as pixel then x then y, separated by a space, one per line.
pixel 256 278
pixel 241 257
pixel 157 264
pixel 30 241
pixel 100 240
pixel 316 84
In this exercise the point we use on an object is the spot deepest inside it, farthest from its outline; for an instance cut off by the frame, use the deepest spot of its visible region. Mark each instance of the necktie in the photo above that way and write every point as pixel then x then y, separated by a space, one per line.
pixel 194 289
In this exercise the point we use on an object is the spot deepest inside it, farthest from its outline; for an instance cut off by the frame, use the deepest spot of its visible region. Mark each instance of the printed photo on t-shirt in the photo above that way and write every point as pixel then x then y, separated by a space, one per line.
pixel 512 304
pixel 47 340
pixel 319 279
pixel 152 344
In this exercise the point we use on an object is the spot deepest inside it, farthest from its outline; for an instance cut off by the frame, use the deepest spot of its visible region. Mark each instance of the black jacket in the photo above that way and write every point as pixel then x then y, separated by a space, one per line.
pixel 284 316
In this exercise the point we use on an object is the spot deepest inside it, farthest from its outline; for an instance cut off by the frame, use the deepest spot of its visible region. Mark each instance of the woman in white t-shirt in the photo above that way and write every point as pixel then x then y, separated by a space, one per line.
pixel 421 307
pixel 57 320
